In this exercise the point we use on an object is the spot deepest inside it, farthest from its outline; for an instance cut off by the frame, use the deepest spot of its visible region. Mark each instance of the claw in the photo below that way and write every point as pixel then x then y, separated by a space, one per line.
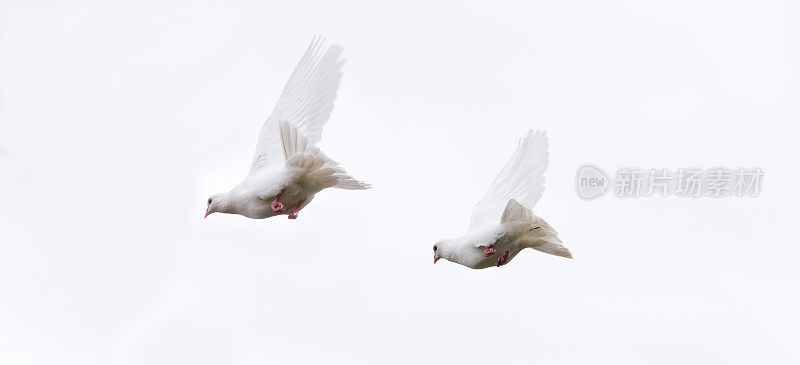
pixel 488 251
pixel 502 259
pixel 296 209
pixel 276 205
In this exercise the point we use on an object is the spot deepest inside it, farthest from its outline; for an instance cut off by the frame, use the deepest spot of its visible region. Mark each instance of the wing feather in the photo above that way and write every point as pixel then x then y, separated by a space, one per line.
pixel 521 179
pixel 305 103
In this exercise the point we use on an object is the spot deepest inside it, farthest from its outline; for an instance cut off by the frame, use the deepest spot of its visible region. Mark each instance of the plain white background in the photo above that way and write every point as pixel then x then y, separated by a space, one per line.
pixel 119 119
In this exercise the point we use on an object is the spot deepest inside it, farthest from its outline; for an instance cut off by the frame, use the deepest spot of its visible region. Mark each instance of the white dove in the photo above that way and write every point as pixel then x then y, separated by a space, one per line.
pixel 502 223
pixel 288 169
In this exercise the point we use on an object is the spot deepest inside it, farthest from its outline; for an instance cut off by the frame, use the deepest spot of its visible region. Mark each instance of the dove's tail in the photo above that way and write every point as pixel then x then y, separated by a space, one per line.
pixel 547 240
pixel 318 171
pixel 347 182
pixel 540 235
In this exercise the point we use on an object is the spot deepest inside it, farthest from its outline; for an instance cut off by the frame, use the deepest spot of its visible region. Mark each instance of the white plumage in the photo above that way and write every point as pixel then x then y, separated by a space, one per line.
pixel 521 179
pixel 502 223
pixel 288 168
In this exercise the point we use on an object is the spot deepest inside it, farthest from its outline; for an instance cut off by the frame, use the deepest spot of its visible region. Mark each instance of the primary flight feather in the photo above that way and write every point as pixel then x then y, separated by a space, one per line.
pixel 288 169
pixel 502 223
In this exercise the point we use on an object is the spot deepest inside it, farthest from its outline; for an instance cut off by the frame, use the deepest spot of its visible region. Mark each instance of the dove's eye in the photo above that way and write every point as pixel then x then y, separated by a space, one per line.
pixel 435 248
pixel 209 201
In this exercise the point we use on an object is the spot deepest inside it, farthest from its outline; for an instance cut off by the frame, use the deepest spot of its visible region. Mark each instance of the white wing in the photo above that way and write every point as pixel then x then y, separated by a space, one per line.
pixel 522 179
pixel 305 104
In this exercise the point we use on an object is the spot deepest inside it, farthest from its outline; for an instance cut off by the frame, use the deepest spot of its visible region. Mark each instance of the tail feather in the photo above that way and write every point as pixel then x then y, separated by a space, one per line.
pixel 541 235
pixel 318 170
pixel 553 248
pixel 349 183
pixel 546 240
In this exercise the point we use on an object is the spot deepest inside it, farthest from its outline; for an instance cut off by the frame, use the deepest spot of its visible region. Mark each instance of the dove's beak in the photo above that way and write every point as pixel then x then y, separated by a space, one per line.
pixel 435 259
pixel 204 217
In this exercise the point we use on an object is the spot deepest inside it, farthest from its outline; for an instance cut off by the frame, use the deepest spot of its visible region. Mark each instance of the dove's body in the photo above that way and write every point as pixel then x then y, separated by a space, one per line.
pixel 497 244
pixel 288 169
pixel 502 225
pixel 253 202
pixel 469 250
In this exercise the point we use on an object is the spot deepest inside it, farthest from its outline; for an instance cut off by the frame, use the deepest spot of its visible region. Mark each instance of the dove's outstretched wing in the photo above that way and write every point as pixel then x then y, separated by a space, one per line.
pixel 522 179
pixel 305 104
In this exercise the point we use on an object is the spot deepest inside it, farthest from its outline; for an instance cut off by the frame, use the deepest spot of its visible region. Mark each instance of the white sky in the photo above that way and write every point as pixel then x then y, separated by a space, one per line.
pixel 119 119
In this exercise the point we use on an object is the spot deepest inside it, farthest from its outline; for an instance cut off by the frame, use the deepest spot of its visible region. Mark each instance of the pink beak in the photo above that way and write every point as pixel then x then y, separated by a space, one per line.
pixel 204 217
pixel 435 259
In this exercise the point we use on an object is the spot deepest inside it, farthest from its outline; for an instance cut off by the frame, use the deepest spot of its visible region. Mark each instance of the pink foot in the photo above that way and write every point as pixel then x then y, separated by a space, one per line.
pixel 502 259
pixel 488 251
pixel 276 205
pixel 296 209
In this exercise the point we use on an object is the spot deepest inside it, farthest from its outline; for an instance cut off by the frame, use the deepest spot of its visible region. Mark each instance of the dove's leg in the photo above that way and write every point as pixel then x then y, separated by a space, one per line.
pixel 276 205
pixel 502 259
pixel 296 209
pixel 488 251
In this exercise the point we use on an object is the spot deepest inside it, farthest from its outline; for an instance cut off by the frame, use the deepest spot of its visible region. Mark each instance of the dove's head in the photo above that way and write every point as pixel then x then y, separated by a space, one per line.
pixel 442 250
pixel 218 203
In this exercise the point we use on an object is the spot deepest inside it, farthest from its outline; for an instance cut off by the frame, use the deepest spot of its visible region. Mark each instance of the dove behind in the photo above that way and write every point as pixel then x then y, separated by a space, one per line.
pixel 532 231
